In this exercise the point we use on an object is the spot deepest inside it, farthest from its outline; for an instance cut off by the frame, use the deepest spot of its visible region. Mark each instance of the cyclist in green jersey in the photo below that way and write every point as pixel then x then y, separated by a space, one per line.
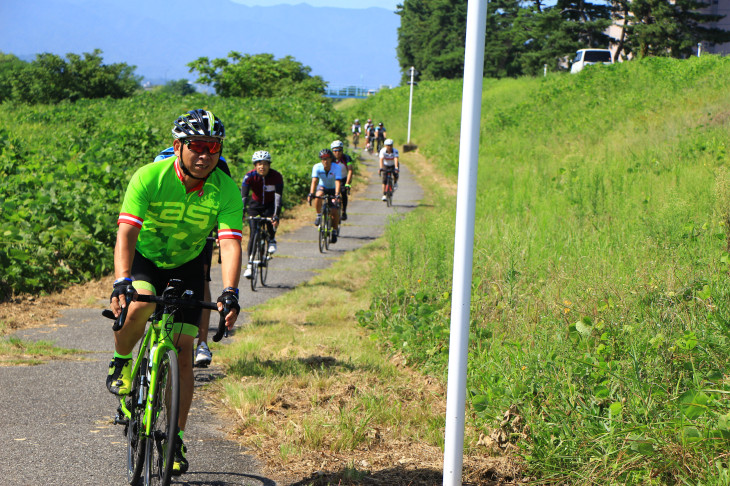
pixel 169 209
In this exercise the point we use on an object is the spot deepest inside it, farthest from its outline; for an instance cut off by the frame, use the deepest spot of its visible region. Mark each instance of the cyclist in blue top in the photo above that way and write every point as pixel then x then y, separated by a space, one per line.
pixel 326 178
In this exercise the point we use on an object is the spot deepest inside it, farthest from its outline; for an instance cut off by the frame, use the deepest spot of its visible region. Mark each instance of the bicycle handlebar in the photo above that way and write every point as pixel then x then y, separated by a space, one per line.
pixel 119 321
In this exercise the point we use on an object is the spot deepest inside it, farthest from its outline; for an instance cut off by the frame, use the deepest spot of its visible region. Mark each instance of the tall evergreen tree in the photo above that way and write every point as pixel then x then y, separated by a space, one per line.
pixel 670 28
pixel 431 37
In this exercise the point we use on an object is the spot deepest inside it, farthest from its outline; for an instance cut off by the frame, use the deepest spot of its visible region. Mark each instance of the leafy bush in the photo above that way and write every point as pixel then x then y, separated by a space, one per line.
pixel 64 169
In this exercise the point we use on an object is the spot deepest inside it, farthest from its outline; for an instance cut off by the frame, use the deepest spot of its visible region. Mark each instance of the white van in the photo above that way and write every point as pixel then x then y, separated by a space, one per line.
pixel 584 57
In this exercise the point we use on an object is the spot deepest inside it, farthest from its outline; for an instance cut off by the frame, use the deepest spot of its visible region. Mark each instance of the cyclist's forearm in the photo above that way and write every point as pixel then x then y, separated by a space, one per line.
pixel 124 250
pixel 230 262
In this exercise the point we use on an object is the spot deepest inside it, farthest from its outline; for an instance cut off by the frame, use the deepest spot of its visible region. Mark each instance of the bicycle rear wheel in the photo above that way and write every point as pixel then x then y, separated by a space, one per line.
pixel 389 191
pixel 264 259
pixel 135 440
pixel 255 258
pixel 160 447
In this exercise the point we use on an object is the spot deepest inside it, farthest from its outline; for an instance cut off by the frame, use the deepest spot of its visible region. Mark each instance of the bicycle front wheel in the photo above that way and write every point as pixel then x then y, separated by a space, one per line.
pixel 264 259
pixel 160 447
pixel 327 228
pixel 255 259
pixel 133 431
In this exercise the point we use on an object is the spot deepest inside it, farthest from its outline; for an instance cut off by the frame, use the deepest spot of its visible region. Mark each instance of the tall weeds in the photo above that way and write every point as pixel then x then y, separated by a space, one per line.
pixel 600 318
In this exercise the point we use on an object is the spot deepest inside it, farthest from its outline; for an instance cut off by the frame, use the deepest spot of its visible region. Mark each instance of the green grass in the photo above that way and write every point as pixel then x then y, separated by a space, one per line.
pixel 15 351
pixel 302 377
pixel 599 301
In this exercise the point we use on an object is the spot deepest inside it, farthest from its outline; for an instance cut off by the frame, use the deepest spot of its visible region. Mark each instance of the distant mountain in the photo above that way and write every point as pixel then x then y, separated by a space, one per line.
pixel 344 46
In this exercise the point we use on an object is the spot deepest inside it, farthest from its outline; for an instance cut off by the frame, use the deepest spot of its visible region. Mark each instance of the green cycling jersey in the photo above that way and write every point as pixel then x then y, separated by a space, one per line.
pixel 174 222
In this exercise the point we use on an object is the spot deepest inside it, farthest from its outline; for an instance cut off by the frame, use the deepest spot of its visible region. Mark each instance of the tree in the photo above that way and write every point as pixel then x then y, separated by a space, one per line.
pixel 181 87
pixel 524 35
pixel 431 37
pixel 549 35
pixel 257 75
pixel 50 78
pixel 669 28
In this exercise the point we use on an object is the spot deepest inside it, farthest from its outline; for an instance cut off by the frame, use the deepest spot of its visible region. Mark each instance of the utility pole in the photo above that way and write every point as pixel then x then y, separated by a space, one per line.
pixel 476 20
pixel 410 104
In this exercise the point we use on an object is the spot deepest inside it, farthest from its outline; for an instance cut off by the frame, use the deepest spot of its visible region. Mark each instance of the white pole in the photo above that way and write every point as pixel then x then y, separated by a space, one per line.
pixel 699 48
pixel 471 107
pixel 410 105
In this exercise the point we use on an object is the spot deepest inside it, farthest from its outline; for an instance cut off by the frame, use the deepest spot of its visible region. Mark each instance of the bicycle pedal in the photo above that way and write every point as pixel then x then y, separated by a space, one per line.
pixel 120 420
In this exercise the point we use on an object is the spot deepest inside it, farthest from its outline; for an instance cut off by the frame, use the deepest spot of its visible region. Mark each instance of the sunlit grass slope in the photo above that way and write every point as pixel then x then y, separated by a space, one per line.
pixel 600 294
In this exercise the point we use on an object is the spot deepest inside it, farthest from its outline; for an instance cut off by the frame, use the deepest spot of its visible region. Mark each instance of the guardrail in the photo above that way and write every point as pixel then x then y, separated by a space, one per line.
pixel 348 92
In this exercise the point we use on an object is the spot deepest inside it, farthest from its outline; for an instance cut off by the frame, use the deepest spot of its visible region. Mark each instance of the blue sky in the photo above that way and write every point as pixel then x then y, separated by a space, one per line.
pixel 388 4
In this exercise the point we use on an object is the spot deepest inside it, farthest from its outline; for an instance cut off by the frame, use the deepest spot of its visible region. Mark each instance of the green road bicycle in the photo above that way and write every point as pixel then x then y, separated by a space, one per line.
pixel 260 255
pixel 149 412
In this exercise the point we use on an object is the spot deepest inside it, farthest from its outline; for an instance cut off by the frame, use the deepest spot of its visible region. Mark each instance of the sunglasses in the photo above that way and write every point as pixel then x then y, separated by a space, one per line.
pixel 199 146
pixel 337 150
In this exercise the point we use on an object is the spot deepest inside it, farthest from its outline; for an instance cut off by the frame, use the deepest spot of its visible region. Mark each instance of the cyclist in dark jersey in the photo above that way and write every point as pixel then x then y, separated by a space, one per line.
pixel 169 209
pixel 381 135
pixel 345 162
pixel 267 187
pixel 370 137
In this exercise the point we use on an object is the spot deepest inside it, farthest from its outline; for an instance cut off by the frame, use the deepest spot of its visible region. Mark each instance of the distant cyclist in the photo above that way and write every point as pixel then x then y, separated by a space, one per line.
pixel 381 135
pixel 389 162
pixel 370 137
pixel 267 187
pixel 355 132
pixel 368 124
pixel 345 163
pixel 169 210
pixel 326 177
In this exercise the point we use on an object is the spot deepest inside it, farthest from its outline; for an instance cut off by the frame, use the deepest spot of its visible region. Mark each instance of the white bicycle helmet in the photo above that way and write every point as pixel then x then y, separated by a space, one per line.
pixel 388 141
pixel 357 120
pixel 337 144
pixel 261 155
pixel 198 123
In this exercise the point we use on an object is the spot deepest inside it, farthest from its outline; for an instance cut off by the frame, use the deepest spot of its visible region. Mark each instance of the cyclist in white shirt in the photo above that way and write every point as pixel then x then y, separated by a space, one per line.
pixel 389 162
pixel 355 132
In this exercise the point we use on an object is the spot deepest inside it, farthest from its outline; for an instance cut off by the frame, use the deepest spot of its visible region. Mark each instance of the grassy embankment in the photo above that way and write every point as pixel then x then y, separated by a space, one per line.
pixel 600 318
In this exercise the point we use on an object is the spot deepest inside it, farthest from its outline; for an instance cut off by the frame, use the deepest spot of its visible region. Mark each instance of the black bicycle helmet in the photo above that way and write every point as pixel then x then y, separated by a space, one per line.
pixel 198 123
pixel 326 153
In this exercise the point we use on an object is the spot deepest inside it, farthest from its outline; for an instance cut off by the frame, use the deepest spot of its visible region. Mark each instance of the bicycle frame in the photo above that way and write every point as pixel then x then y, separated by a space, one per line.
pixel 259 256
pixel 158 340
pixel 143 405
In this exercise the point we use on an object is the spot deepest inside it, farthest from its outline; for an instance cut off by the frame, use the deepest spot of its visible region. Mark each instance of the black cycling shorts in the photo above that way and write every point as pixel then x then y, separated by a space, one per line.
pixel 144 270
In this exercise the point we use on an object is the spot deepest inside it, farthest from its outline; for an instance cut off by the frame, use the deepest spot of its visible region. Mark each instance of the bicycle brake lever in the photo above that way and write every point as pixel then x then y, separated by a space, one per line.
pixel 222 322
pixel 119 322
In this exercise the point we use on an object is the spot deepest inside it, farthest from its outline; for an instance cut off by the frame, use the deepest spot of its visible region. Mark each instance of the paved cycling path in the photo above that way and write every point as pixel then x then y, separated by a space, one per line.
pixel 56 418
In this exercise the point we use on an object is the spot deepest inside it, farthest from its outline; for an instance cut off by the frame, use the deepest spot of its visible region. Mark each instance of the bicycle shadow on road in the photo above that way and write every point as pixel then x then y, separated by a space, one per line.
pixel 236 478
